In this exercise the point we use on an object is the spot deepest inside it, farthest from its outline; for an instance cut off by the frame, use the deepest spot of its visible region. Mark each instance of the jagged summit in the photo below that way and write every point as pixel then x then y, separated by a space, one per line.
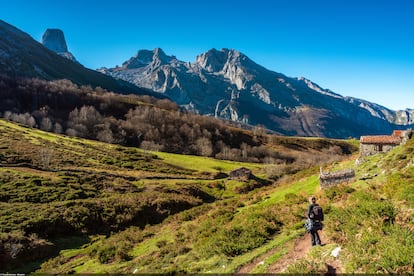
pixel 145 57
pixel 227 84
pixel 54 40
pixel 215 60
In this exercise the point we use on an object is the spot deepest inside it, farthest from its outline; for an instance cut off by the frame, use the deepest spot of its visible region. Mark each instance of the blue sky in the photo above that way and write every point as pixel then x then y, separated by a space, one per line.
pixel 359 48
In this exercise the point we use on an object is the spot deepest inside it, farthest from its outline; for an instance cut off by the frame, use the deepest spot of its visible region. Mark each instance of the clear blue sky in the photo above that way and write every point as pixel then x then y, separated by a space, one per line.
pixel 359 48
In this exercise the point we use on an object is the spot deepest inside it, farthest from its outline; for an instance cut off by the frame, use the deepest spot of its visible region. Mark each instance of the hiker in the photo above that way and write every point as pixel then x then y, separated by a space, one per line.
pixel 315 217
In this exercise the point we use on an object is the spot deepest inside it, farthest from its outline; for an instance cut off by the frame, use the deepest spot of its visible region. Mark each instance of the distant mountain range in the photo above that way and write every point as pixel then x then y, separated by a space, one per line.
pixel 222 83
pixel 227 84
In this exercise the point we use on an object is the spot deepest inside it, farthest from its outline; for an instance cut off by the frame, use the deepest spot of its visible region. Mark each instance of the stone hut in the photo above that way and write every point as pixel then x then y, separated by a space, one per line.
pixel 404 134
pixel 327 180
pixel 241 174
pixel 370 145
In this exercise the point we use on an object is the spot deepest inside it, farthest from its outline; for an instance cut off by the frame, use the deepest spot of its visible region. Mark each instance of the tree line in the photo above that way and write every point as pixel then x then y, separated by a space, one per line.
pixel 133 120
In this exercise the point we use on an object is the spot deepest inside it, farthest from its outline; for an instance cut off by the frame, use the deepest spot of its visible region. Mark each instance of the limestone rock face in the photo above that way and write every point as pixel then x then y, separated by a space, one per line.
pixel 54 40
pixel 227 84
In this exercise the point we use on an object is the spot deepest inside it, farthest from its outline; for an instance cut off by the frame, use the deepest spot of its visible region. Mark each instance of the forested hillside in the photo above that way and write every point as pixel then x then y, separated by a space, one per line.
pixel 131 120
pixel 117 203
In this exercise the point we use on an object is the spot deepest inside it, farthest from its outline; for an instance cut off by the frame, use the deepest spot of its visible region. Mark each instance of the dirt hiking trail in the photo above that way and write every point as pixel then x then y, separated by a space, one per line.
pixel 301 247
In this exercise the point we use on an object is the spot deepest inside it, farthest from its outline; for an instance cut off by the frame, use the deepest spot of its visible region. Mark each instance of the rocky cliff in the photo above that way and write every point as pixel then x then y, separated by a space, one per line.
pixel 227 84
pixel 54 40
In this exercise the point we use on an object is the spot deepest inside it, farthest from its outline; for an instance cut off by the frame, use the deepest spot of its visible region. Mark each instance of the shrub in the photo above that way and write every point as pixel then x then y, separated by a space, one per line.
pixel 366 226
pixel 400 186
pixel 338 192
pixel 242 235
pixel 161 243
pixel 106 254
pixel 392 248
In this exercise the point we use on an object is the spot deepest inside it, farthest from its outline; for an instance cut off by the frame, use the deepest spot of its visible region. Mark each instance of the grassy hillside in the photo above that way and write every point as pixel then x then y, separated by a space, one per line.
pixel 73 205
pixel 371 219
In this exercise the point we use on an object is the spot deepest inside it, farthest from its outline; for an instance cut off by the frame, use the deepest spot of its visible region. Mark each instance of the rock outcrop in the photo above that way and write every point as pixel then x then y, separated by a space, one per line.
pixel 54 40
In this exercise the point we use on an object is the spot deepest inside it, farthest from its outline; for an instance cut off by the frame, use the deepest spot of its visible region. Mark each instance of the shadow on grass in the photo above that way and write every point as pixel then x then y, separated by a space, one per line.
pixel 61 243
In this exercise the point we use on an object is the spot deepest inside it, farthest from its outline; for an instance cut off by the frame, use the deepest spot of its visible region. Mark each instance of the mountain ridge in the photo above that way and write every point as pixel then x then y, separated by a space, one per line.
pixel 227 84
pixel 23 57
pixel 221 83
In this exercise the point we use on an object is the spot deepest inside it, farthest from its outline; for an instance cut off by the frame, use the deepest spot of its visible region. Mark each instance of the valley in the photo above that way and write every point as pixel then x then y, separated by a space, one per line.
pixel 92 207
pixel 173 167
pixel 57 188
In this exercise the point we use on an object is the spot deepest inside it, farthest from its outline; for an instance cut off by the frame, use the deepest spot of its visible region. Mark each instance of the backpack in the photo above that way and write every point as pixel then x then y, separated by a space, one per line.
pixel 317 213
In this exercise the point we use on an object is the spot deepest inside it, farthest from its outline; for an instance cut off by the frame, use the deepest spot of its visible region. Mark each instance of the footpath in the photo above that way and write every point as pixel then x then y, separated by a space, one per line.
pixel 300 249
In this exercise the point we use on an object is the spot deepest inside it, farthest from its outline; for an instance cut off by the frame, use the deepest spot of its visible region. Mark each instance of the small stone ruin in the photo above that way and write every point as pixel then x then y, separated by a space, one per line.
pixel 330 179
pixel 241 174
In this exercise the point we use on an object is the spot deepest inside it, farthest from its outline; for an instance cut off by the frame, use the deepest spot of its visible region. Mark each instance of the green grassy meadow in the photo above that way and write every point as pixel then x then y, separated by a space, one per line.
pixel 70 205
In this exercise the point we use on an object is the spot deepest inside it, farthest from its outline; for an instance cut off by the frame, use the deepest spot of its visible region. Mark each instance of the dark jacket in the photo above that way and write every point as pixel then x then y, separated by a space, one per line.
pixel 310 209
pixel 313 225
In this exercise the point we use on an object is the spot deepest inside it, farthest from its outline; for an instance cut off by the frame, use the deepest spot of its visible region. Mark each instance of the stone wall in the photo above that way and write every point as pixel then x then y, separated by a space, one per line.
pixel 327 180
pixel 370 145
pixel 371 149
pixel 406 135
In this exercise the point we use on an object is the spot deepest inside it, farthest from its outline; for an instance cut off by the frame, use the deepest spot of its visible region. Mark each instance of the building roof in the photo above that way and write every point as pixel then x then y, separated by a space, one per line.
pixel 398 133
pixel 381 139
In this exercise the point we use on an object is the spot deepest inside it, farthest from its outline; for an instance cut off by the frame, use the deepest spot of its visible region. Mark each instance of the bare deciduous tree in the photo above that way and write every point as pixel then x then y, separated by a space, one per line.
pixel 204 146
pixel 149 145
pixel 45 156
pixel 58 128
pixel 106 135
pixel 46 124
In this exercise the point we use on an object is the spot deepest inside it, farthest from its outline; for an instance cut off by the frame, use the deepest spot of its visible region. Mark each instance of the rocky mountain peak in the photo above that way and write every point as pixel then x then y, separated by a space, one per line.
pixel 159 53
pixel 227 84
pixel 54 40
pixel 146 57
pixel 215 60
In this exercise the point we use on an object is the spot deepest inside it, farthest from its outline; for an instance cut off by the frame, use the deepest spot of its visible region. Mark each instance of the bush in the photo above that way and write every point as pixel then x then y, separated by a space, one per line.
pixel 366 226
pixel 392 248
pixel 243 235
pixel 338 192
pixel 400 186
pixel 106 254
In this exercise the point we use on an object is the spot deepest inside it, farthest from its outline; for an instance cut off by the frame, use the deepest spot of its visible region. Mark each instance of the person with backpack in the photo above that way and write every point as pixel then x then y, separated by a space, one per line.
pixel 315 218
